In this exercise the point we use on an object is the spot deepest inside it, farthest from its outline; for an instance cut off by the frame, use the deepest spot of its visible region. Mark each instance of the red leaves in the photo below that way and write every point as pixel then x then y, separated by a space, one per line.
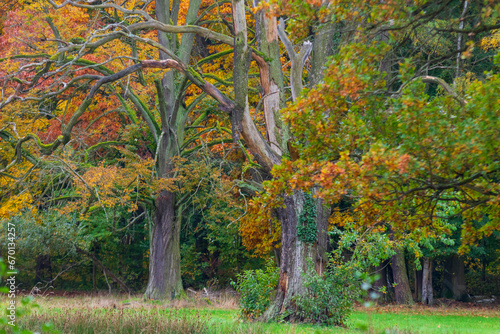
pixel 403 163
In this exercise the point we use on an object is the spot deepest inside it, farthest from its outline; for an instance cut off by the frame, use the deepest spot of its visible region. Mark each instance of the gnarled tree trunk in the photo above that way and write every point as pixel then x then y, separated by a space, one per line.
pixel 296 253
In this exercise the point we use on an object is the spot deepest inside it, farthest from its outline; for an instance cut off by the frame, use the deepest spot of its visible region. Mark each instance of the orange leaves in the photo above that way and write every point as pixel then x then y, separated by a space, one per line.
pixel 15 204
pixel 339 104
pixel 261 235
pixel 100 186
pixel 316 3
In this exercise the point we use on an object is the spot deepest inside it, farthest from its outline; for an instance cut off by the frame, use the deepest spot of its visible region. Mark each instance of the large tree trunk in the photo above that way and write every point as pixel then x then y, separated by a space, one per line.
pixel 402 286
pixel 164 264
pixel 427 292
pixel 295 253
pixel 454 279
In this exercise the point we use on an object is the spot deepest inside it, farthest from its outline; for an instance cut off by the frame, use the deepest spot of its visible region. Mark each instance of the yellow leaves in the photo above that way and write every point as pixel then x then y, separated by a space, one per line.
pixel 108 186
pixel 167 184
pixel 491 42
pixel 101 184
pixel 261 235
pixel 100 177
pixel 262 5
pixel 15 204
pixel 13 200
pixel 339 218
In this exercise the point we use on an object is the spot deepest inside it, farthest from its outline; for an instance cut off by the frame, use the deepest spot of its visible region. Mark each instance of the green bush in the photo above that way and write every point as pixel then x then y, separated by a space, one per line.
pixel 328 298
pixel 477 285
pixel 257 289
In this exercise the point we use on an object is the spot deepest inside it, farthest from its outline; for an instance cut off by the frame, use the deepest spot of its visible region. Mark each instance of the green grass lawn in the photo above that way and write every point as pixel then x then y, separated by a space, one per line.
pixel 114 315
pixel 417 323
pixel 225 321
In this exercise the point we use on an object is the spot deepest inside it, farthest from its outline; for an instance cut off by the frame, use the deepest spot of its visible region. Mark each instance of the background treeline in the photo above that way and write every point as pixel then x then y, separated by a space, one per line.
pixel 213 255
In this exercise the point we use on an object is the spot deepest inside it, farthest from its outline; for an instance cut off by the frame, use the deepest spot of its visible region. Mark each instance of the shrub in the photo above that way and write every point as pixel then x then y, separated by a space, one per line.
pixel 328 298
pixel 257 289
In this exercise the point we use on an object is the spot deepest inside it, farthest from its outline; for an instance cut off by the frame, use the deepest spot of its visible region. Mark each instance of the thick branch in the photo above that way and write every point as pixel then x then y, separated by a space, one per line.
pixel 298 60
pixel 104 5
pixel 241 120
pixel 436 80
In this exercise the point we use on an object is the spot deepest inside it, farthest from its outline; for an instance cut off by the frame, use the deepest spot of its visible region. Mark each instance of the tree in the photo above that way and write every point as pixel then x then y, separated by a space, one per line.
pixel 81 66
pixel 384 139
pixel 298 207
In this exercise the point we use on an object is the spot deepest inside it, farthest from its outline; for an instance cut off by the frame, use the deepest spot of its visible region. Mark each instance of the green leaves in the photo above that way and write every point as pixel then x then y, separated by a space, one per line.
pixel 306 225
pixel 257 288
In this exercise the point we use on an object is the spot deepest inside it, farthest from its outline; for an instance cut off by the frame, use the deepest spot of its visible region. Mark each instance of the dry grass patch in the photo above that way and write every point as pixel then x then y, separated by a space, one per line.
pixel 464 309
pixel 84 316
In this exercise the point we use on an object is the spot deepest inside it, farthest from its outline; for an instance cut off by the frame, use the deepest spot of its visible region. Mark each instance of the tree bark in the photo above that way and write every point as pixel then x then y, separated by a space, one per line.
pixel 297 60
pixel 295 253
pixel 322 49
pixel 459 39
pixel 164 255
pixel 164 264
pixel 427 292
pixel 271 79
pixel 418 284
pixel 402 286
pixel 241 121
